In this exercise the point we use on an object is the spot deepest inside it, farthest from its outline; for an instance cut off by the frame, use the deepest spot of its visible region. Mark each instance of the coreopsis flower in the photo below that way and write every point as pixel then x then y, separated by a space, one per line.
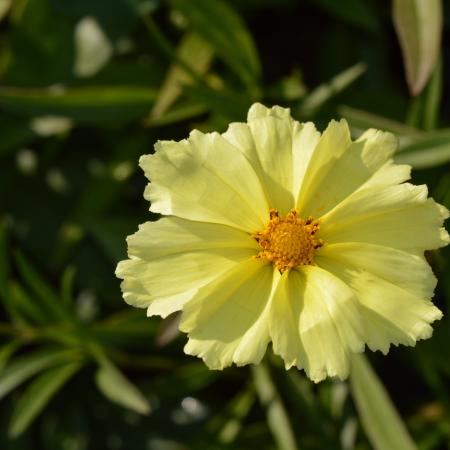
pixel 274 232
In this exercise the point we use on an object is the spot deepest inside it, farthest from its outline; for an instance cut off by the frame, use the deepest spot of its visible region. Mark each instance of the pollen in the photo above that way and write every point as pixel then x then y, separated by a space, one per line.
pixel 288 242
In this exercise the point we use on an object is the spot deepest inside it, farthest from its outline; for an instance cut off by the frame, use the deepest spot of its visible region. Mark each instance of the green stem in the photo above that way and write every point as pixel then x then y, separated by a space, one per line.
pixel 277 417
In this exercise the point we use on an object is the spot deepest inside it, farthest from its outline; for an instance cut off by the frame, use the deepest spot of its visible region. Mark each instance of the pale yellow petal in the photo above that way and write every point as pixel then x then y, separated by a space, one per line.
pixel 329 323
pixel 227 320
pixel 172 258
pixel 170 235
pixel 205 178
pixel 398 216
pixel 390 314
pixel 410 272
pixel 278 148
pixel 285 310
pixel 334 141
pixel 345 175
pixel 258 111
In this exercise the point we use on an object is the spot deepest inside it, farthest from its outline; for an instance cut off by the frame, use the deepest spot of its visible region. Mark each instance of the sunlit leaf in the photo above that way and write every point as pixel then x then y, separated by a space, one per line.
pixel 315 99
pixel 225 31
pixel 24 367
pixel 4 8
pixel 361 120
pixel 419 27
pixel 425 150
pixel 92 47
pixel 197 53
pixel 117 388
pixel 384 427
pixel 277 417
pixel 38 394
pixel 178 113
pixel 88 104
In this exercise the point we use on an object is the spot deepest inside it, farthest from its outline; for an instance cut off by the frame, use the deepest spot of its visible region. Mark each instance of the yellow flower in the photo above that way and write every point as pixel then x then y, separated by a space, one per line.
pixel 275 232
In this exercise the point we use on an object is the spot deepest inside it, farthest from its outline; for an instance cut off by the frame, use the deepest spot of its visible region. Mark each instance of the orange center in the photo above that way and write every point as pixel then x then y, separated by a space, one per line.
pixel 288 242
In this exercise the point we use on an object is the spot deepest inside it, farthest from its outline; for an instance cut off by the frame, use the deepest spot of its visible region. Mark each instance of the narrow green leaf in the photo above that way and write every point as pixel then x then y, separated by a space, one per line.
pixel 325 91
pixel 419 28
pixel 425 150
pixel 10 305
pixel 27 307
pixel 238 409
pixel 219 24
pixel 355 12
pixel 40 288
pixel 433 98
pixel 195 52
pixel 227 424
pixel 7 351
pixel 4 261
pixel 4 8
pixel 24 367
pixel 277 417
pixel 177 113
pixel 37 396
pixel 113 384
pixel 67 280
pixel 425 158
pixel 362 120
pixel 86 104
pixel 384 427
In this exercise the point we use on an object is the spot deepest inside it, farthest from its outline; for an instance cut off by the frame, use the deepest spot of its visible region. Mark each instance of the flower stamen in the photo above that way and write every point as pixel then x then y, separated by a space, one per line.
pixel 288 242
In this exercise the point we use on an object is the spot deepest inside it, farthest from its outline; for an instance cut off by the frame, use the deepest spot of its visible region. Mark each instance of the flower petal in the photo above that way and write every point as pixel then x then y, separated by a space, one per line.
pixel 397 216
pixel 205 178
pixel 172 258
pixel 315 323
pixel 410 272
pixel 390 314
pixel 278 148
pixel 227 320
pixel 334 141
pixel 343 176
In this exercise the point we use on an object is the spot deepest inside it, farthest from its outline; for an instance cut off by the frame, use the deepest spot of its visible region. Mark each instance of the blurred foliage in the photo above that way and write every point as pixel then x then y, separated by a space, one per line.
pixel 88 86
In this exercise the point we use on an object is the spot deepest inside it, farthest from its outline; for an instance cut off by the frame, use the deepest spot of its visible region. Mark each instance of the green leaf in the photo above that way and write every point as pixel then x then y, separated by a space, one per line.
pixel 40 288
pixel 384 427
pixel 352 11
pixel 38 394
pixel 16 133
pixel 67 281
pixel 320 95
pixel 178 113
pixel 425 150
pixel 4 8
pixel 195 52
pixel 218 23
pixel 237 410
pixel 4 263
pixel 28 308
pixel 433 98
pixel 7 351
pixel 419 27
pixel 113 384
pixel 361 120
pixel 87 104
pixel 277 417
pixel 24 367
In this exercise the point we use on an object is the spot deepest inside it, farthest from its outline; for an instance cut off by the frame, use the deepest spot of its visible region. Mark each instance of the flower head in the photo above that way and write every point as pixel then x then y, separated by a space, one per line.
pixel 276 232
